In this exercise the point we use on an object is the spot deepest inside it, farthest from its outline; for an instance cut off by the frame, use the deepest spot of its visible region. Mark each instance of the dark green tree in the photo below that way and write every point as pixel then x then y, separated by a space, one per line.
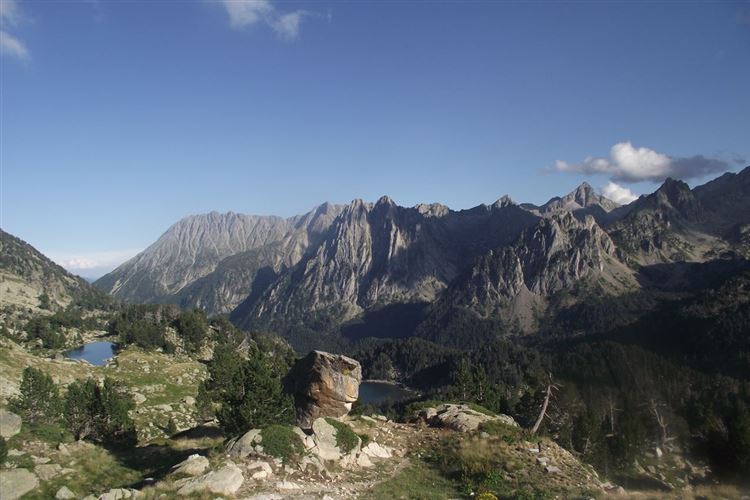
pixel 39 399
pixel 80 407
pixel 192 327
pixel 249 392
pixel 100 412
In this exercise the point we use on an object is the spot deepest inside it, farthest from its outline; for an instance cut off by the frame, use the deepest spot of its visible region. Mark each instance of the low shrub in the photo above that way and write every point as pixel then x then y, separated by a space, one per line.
pixel 346 438
pixel 282 442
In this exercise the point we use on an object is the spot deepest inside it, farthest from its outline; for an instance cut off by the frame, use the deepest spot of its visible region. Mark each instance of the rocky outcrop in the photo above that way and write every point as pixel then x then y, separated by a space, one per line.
pixel 461 418
pixel 10 424
pixel 245 444
pixel 323 385
pixel 224 481
pixel 15 483
pixel 194 465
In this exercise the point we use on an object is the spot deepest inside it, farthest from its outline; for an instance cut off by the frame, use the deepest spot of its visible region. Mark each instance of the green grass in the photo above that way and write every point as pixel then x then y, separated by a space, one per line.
pixel 346 438
pixel 419 481
pixel 506 432
pixel 281 442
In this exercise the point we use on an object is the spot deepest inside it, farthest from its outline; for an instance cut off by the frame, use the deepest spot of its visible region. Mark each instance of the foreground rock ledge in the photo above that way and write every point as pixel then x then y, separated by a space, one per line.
pixel 323 385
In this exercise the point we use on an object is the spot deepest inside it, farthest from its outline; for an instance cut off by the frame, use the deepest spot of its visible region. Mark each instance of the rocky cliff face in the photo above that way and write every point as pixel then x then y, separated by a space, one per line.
pixel 669 225
pixel 180 265
pixel 382 254
pixel 514 282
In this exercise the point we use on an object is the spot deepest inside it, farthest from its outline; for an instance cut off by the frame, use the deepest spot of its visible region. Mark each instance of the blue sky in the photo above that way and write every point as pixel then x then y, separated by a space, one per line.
pixel 119 118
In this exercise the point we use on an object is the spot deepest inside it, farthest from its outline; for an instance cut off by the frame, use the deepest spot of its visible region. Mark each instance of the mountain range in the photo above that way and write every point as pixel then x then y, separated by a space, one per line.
pixel 413 270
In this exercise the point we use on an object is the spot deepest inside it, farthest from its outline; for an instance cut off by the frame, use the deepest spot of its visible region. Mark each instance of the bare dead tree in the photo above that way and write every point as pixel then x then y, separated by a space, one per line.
pixel 543 412
pixel 653 407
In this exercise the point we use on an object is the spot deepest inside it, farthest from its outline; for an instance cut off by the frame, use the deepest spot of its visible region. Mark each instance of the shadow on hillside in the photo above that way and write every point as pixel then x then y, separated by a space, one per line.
pixel 155 461
pixel 391 321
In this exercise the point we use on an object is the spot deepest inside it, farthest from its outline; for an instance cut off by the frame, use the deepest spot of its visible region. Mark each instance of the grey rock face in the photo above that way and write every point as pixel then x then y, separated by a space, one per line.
pixel 377 254
pixel 15 483
pixel 461 418
pixel 514 281
pixel 10 424
pixel 224 481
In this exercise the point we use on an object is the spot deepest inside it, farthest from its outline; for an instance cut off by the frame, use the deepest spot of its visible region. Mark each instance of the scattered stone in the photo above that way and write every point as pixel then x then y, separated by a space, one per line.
pixel 375 450
pixel 552 469
pixel 363 460
pixel 324 385
pixel 541 460
pixel 658 452
pixel 324 435
pixel 194 465
pixel 48 471
pixel 139 398
pixel 64 494
pixel 225 481
pixel 10 424
pixel 245 445
pixel 14 483
pixel 287 485
pixel 188 400
pixel 120 494
pixel 261 470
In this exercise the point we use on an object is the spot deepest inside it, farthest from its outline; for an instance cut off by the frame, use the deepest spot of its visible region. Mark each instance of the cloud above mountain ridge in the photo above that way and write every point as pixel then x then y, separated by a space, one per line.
pixel 628 164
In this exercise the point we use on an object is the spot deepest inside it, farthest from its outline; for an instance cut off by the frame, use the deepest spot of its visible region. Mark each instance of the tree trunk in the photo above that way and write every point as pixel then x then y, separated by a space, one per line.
pixel 544 410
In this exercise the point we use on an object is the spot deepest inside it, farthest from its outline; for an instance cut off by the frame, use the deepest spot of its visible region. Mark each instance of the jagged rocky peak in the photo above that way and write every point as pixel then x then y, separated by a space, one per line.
pixel 432 209
pixel 673 201
pixel 503 201
pixel 581 198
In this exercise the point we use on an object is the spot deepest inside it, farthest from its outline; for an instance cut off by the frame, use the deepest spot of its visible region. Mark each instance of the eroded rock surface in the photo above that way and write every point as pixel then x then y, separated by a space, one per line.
pixel 324 385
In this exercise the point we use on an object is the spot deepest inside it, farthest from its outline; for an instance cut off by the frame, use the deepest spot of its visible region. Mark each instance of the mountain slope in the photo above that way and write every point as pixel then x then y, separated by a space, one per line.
pixel 26 276
pixel 508 288
pixel 669 225
pixel 193 249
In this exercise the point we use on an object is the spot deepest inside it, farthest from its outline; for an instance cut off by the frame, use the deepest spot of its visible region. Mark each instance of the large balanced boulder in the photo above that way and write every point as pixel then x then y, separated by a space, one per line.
pixel 323 385
pixel 10 424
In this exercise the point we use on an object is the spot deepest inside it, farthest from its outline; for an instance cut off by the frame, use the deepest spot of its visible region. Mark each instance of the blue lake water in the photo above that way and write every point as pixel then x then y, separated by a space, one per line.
pixel 379 392
pixel 96 353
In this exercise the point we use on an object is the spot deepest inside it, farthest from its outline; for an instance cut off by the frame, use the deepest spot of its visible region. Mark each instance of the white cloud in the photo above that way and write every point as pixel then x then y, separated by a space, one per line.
pixel 11 16
pixel 12 46
pixel 627 163
pixel 287 25
pixel 244 13
pixel 92 264
pixel 618 194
